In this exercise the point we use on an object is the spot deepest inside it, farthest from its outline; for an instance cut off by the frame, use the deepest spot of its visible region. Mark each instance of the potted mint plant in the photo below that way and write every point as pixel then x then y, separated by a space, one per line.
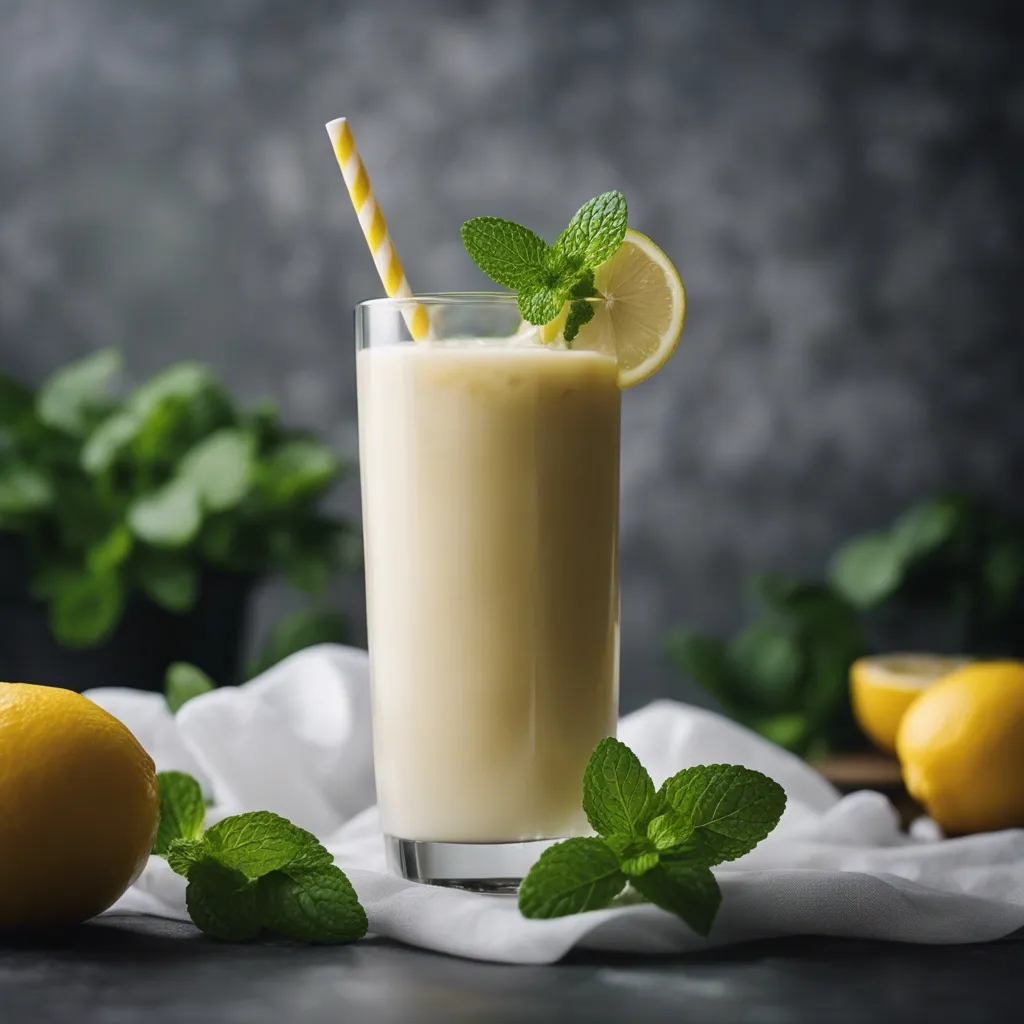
pixel 132 530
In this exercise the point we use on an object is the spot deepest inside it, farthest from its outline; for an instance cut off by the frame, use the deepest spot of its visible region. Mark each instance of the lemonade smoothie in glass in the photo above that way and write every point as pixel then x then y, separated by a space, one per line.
pixel 489 451
pixel 490 481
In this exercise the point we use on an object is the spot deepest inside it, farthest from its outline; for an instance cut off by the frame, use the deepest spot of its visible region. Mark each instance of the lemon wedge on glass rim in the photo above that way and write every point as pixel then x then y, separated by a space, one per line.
pixel 639 315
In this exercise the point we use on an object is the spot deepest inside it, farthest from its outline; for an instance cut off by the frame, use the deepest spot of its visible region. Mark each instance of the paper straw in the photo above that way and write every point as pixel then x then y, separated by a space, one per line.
pixel 375 230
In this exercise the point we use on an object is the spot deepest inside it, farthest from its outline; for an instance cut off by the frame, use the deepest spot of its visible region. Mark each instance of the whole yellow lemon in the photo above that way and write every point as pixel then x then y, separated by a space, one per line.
pixel 961 747
pixel 78 807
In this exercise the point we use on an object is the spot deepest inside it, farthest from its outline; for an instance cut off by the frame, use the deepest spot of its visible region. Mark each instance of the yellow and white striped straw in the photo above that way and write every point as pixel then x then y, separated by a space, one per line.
pixel 371 220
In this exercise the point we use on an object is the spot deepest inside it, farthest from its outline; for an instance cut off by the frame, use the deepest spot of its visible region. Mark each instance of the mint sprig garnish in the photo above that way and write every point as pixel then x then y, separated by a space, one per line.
pixel 663 842
pixel 548 276
pixel 253 871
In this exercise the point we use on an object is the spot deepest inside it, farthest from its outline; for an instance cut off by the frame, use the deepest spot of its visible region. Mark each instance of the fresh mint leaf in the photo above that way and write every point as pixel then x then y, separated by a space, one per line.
pixel 767 653
pixel 924 528
pixel 172 585
pixel 868 569
pixel 580 312
pixel 220 467
pixel 296 470
pixel 540 302
pixel 792 730
pixel 258 842
pixel 72 398
pixel 182 682
pixel 636 854
pixel 506 252
pixel 668 831
pixel 639 863
pixel 1003 572
pixel 168 517
pixel 108 440
pixel 312 905
pixel 23 489
pixel 86 607
pixel 618 794
pixel 547 276
pixel 663 842
pixel 685 888
pixel 584 287
pixel 596 229
pixel 183 854
pixel 571 877
pixel 186 380
pixel 733 807
pixel 222 902
pixel 109 553
pixel 182 810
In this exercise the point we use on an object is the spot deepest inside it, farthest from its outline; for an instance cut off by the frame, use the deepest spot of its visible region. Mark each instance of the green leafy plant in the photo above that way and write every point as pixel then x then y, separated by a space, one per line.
pixel 950 559
pixel 114 495
pixel 663 843
pixel 546 277
pixel 253 872
pixel 952 555
pixel 785 675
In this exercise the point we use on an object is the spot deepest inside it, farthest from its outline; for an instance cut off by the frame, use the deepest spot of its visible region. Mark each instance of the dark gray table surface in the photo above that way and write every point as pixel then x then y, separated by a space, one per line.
pixel 123 970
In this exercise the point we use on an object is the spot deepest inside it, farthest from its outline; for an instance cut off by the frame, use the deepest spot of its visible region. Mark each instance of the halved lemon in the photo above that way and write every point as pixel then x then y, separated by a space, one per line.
pixel 641 316
pixel 884 686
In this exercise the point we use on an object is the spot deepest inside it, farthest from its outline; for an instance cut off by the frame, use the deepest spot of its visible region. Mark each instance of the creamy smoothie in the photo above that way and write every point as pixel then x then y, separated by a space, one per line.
pixel 490 481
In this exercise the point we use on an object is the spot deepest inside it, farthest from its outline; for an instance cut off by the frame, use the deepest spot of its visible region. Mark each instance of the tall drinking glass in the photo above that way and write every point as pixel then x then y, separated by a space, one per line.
pixel 490 487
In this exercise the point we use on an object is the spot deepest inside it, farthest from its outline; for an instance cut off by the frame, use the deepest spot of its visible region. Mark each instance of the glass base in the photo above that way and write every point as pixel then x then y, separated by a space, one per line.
pixel 495 868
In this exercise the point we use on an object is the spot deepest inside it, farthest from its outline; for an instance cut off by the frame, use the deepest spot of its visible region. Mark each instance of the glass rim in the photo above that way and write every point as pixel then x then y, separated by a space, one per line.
pixel 439 299
pixel 448 299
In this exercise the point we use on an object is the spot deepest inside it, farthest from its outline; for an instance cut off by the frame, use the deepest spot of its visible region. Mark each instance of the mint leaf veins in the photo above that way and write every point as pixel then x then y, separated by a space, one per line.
pixel 570 877
pixel 732 808
pixel 548 276
pixel 254 871
pixel 505 251
pixel 618 795
pixel 663 843
pixel 595 231
pixel 222 902
pixel 684 888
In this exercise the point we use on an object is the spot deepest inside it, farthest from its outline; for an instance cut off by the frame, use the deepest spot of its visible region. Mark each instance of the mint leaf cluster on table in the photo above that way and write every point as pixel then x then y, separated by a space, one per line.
pixel 253 871
pixel 548 276
pixel 663 842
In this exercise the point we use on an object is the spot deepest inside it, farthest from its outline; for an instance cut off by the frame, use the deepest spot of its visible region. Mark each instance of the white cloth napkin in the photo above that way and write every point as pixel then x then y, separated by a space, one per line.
pixel 297 740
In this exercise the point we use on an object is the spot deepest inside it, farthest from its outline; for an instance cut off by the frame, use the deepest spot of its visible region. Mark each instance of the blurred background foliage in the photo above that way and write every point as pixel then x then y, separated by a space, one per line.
pixel 145 493
pixel 951 567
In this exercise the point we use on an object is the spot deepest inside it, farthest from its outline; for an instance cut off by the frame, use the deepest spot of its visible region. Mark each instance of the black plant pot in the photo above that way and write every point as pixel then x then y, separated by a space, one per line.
pixel 145 642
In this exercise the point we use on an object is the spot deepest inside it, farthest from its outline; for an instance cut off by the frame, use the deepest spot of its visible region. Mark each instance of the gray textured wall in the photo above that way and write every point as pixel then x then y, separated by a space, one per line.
pixel 838 180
